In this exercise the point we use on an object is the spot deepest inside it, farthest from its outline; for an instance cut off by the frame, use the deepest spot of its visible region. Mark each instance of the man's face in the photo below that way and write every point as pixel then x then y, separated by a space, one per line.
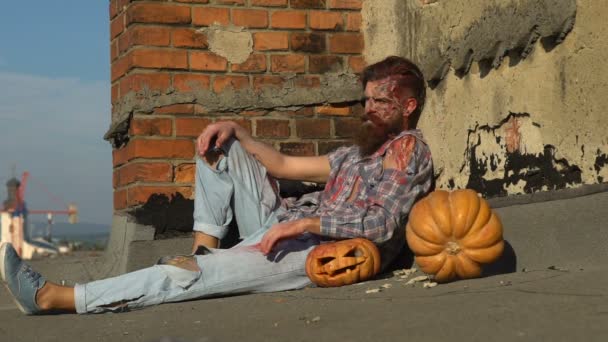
pixel 383 117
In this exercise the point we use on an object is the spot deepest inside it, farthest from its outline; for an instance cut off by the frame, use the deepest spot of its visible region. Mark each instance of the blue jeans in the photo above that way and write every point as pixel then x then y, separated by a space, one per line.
pixel 238 188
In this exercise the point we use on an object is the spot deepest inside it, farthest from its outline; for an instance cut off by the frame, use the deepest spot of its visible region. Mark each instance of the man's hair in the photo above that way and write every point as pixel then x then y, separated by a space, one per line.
pixel 411 79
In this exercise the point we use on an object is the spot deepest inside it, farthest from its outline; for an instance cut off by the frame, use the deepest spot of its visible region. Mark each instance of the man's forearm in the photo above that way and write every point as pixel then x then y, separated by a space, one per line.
pixel 288 230
pixel 310 169
pixel 202 239
pixel 312 225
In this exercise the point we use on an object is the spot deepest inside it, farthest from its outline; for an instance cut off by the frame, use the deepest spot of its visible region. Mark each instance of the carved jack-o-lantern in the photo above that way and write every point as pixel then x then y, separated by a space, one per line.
pixel 343 263
pixel 453 233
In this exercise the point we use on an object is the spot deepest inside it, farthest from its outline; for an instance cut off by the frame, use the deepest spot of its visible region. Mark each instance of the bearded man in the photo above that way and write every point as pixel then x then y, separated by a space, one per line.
pixel 370 189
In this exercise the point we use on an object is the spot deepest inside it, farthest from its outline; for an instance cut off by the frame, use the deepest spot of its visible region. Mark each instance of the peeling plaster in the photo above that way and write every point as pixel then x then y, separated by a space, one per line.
pixel 542 57
pixel 601 166
pixel 509 158
pixel 231 42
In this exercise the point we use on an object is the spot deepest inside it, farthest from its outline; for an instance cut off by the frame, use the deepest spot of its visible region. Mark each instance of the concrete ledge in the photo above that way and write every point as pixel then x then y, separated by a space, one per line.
pixel 124 232
pixel 144 254
pixel 544 196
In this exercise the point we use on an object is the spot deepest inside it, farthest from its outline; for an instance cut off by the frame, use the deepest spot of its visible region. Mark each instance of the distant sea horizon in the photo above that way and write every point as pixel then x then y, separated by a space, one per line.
pixel 79 232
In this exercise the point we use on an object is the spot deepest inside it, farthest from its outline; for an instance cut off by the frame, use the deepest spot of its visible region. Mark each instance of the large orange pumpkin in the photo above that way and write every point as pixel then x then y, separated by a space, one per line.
pixel 453 234
pixel 343 263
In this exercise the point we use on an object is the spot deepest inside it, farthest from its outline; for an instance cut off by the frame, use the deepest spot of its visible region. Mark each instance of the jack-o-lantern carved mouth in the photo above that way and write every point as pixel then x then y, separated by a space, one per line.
pixel 347 263
pixel 343 262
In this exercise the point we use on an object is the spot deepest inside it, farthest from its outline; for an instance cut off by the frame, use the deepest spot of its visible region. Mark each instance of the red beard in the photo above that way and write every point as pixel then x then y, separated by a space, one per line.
pixel 371 136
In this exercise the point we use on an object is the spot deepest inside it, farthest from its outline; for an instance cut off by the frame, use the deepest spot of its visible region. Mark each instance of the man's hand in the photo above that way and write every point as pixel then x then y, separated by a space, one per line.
pixel 288 230
pixel 215 135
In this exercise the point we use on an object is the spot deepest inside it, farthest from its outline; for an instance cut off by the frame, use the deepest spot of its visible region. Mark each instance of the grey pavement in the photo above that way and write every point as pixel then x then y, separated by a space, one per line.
pixel 558 292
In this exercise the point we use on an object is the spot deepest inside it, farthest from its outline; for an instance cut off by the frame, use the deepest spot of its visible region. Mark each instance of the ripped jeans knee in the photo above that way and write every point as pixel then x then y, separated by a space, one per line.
pixel 181 270
pixel 187 262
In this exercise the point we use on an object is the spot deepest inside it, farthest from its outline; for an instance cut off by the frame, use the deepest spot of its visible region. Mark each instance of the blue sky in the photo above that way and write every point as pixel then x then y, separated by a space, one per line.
pixel 55 103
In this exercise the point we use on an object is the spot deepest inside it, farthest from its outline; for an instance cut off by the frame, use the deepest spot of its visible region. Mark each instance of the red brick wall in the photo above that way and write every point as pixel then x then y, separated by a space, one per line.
pixel 156 45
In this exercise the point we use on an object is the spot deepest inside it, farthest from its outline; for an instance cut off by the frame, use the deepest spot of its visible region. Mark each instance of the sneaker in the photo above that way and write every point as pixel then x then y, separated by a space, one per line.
pixel 20 279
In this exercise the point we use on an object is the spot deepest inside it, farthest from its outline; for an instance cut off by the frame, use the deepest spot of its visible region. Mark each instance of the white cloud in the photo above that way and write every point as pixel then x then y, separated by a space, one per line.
pixel 53 128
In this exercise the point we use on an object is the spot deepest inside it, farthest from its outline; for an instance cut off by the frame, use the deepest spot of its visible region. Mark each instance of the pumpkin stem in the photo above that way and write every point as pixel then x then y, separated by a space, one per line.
pixel 453 248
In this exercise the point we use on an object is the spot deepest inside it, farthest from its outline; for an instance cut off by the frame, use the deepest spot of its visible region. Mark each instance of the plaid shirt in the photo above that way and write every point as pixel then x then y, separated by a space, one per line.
pixel 362 199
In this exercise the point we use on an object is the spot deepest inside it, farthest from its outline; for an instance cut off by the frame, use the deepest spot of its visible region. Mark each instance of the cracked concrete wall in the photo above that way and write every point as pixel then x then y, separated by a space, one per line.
pixel 517 88
pixel 445 35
